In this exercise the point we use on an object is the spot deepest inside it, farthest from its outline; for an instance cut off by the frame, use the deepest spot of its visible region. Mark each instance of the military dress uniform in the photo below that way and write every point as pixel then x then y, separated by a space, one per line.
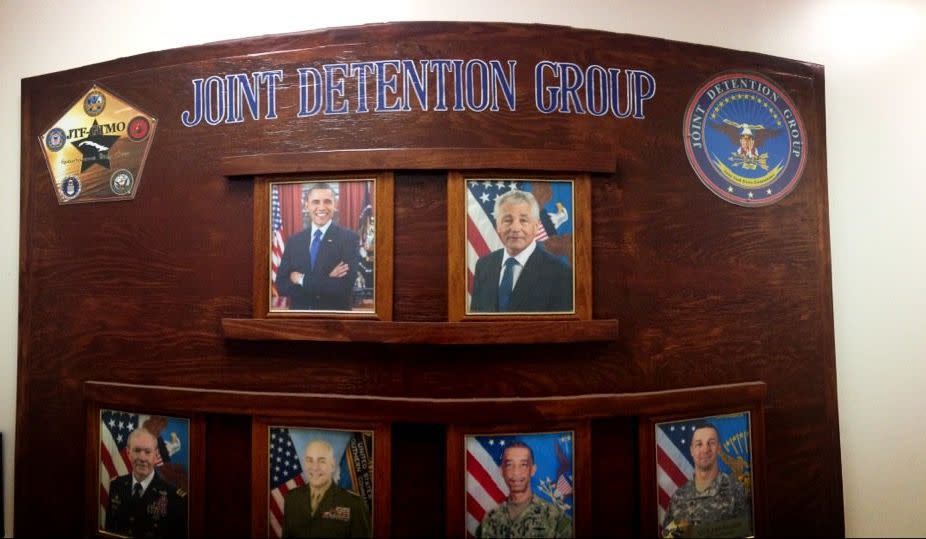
pixel 539 519
pixel 720 510
pixel 340 513
pixel 160 512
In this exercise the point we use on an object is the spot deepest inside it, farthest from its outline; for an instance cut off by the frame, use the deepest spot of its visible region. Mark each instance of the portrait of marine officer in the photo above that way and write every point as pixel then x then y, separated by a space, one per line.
pixel 523 513
pixel 522 276
pixel 141 503
pixel 320 264
pixel 321 508
pixel 712 503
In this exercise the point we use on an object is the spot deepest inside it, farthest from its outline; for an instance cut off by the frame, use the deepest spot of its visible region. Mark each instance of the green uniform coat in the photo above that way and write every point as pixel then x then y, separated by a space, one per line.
pixel 340 513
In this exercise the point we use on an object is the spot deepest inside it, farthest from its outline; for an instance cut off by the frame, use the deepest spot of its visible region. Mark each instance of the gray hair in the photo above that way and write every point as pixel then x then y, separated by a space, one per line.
pixel 518 197
pixel 138 432
pixel 336 475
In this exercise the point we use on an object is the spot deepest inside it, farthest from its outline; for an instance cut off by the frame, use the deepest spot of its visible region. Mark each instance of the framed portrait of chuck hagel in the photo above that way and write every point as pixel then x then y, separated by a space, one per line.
pixel 518 482
pixel 323 246
pixel 146 473
pixel 316 479
pixel 519 246
pixel 702 475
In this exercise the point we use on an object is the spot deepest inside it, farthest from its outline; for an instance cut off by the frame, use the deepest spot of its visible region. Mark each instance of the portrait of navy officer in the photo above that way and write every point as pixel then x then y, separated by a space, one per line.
pixel 320 264
pixel 522 276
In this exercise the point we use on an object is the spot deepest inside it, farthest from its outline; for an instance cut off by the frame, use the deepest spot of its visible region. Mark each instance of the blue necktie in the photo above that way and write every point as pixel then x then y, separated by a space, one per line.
pixel 313 249
pixel 507 284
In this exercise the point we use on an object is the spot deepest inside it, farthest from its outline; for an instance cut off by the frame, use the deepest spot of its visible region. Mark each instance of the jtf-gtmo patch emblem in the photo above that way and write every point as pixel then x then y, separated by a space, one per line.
pixel 97 150
pixel 745 139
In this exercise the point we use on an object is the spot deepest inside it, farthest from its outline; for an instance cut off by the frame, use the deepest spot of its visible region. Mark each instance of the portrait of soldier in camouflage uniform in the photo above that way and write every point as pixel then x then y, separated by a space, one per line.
pixel 712 503
pixel 523 513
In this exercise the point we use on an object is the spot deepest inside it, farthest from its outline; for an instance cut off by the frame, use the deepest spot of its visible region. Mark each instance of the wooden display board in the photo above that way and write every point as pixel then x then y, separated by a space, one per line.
pixel 146 235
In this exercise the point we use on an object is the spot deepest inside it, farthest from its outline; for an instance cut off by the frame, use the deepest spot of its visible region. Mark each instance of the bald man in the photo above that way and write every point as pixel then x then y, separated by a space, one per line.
pixel 321 508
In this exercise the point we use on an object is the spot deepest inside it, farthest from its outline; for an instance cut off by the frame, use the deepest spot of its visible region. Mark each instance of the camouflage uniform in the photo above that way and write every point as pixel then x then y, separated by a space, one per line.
pixel 539 519
pixel 724 504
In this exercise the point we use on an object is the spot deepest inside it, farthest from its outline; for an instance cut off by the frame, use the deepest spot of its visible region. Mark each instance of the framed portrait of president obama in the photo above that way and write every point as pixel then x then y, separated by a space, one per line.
pixel 325 246
pixel 519 246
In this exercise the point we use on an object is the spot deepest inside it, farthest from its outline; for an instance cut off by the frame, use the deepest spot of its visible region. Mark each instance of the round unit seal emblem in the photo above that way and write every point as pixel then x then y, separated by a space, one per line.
pixel 94 103
pixel 138 129
pixel 55 139
pixel 70 187
pixel 745 139
pixel 121 182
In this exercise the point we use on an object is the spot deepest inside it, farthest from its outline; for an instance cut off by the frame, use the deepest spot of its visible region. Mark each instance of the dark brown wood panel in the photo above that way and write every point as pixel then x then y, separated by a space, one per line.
pixel 707 293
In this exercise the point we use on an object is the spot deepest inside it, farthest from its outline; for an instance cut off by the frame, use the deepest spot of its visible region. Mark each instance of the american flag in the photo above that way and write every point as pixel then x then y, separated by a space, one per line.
pixel 485 486
pixel 285 475
pixel 674 465
pixel 278 244
pixel 115 427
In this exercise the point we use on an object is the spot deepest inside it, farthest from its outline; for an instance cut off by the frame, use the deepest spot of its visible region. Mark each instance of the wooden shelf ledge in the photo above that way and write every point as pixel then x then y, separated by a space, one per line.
pixel 501 332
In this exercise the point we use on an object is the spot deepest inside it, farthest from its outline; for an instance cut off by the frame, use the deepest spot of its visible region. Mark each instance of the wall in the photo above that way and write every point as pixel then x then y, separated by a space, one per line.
pixel 870 51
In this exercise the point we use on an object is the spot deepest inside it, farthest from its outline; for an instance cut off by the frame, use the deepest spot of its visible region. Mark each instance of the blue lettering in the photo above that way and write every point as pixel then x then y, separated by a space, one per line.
pixel 304 109
pixel 191 120
pixel 335 87
pixel 572 79
pixel 506 84
pixel 596 90
pixel 458 85
pixel 271 78
pixel 388 82
pixel 483 69
pixel 360 69
pixel 417 81
pixel 546 98
pixel 439 67
pixel 614 75
pixel 214 95
pixel 641 79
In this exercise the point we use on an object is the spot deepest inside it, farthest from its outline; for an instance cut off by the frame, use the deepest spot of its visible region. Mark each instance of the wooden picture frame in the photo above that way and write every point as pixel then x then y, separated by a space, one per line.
pixel 103 460
pixel 472 235
pixel 665 461
pixel 460 519
pixel 267 502
pixel 276 224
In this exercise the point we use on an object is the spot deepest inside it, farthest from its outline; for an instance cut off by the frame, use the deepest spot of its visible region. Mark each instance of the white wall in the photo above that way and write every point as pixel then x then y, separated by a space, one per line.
pixel 876 114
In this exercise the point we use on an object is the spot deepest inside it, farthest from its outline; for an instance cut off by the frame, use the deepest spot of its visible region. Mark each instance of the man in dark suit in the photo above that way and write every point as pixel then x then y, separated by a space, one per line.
pixel 142 504
pixel 321 508
pixel 521 277
pixel 320 263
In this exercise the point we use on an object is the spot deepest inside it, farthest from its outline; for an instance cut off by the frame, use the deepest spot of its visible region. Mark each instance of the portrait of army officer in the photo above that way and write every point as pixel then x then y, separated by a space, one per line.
pixel 319 264
pixel 523 514
pixel 142 504
pixel 321 508
pixel 522 276
pixel 712 503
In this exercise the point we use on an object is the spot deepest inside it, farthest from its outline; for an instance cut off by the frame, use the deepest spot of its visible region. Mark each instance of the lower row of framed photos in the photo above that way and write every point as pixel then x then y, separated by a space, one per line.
pixel 698 477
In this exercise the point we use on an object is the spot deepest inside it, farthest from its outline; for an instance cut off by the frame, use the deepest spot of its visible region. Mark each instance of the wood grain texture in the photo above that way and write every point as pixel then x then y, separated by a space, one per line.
pixel 706 292
pixel 419 158
pixel 332 407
